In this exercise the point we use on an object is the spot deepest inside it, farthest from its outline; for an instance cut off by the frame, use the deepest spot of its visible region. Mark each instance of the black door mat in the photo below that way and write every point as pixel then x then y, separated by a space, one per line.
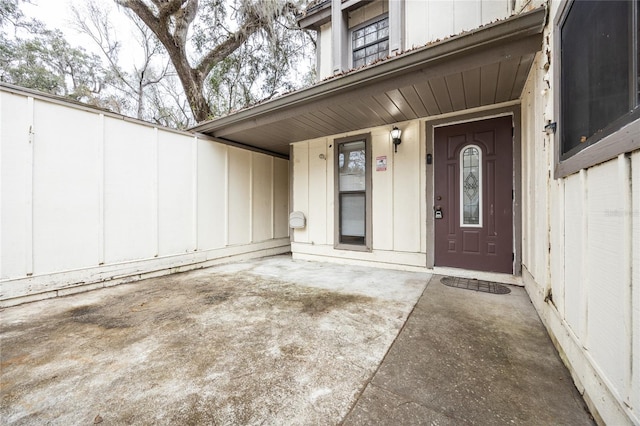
pixel 476 285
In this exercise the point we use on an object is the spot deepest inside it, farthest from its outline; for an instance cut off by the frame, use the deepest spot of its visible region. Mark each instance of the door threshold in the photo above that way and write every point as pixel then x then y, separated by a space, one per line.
pixel 480 275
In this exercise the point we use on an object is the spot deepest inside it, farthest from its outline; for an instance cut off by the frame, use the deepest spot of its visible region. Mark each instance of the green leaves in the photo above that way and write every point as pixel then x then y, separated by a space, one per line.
pixel 42 59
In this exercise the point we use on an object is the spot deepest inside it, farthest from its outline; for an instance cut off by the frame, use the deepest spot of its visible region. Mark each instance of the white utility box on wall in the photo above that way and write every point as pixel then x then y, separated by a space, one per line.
pixel 297 220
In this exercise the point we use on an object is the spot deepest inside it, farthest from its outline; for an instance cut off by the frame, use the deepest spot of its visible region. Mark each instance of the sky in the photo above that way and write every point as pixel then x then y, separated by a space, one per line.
pixel 57 14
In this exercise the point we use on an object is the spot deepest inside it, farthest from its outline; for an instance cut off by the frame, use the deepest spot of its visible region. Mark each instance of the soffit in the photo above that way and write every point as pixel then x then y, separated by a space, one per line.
pixel 486 66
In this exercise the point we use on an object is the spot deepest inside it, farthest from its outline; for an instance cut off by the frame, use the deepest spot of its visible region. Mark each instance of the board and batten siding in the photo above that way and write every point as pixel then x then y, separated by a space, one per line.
pixel 428 21
pixel 398 199
pixel 91 199
pixel 581 259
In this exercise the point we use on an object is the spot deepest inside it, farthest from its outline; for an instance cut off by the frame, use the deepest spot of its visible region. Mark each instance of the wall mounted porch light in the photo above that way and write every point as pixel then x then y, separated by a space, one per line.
pixel 395 137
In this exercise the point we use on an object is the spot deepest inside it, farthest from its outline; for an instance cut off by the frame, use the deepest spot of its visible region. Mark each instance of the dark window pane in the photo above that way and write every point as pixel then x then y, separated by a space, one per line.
pixel 595 68
pixel 370 38
pixel 372 50
pixel 370 43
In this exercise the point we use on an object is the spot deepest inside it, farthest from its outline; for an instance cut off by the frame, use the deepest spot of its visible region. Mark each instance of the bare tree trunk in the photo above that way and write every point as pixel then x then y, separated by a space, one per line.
pixel 169 20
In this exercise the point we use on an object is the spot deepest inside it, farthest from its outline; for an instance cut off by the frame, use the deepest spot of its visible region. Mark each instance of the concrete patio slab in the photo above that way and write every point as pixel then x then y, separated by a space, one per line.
pixel 278 341
pixel 468 357
pixel 272 341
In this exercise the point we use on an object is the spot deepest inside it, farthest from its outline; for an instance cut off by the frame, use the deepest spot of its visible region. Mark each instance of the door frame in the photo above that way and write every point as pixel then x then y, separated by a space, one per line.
pixel 430 125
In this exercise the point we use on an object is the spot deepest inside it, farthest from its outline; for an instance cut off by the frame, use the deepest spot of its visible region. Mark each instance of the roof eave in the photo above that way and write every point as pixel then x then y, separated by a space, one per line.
pixel 316 16
pixel 519 26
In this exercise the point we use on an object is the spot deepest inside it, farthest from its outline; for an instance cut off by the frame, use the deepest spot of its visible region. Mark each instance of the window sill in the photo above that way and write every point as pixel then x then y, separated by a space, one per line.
pixel 352 247
pixel 626 139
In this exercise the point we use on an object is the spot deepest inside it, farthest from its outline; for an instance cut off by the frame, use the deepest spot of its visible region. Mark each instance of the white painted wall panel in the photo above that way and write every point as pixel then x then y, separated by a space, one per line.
pixel 425 205
pixel 492 10
pixel 635 289
pixel 130 191
pixel 65 189
pixel 330 192
pixel 574 278
pixel 212 195
pixel 540 238
pixel 398 199
pixel 535 184
pixel 382 193
pixel 239 196
pixel 324 52
pixel 427 21
pixel 262 197
pixel 583 220
pixel 528 173
pixel 175 193
pixel 440 21
pixel 14 145
pixel 368 12
pixel 281 197
pixel 557 241
pixel 301 187
pixel 317 219
pixel 466 15
pixel 96 197
pixel 416 13
pixel 608 337
pixel 406 190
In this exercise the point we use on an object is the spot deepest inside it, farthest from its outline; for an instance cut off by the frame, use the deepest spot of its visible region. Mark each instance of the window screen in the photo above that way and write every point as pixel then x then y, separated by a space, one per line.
pixel 597 54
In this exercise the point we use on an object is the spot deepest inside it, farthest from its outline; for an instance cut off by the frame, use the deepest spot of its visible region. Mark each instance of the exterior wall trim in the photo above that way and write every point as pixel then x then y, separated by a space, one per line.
pixel 514 111
pixel 40 287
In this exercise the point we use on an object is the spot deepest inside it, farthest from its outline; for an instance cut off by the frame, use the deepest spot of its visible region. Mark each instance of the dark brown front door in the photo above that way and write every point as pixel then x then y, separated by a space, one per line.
pixel 473 195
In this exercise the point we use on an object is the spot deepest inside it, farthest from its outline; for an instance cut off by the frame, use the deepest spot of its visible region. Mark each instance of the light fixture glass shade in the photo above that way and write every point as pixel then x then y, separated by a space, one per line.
pixel 395 133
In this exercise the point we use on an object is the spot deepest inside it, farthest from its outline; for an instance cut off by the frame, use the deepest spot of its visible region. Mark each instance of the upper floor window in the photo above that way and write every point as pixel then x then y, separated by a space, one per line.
pixel 599 75
pixel 370 42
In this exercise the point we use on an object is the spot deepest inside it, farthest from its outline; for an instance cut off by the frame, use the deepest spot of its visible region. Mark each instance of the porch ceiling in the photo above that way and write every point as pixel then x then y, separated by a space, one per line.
pixel 482 67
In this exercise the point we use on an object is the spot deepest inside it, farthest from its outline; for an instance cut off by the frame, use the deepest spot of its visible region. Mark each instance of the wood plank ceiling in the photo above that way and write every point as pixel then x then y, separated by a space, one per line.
pixel 471 75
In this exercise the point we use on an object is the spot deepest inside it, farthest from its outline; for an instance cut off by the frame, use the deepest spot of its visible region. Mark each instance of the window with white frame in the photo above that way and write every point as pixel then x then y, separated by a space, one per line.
pixel 599 77
pixel 370 42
